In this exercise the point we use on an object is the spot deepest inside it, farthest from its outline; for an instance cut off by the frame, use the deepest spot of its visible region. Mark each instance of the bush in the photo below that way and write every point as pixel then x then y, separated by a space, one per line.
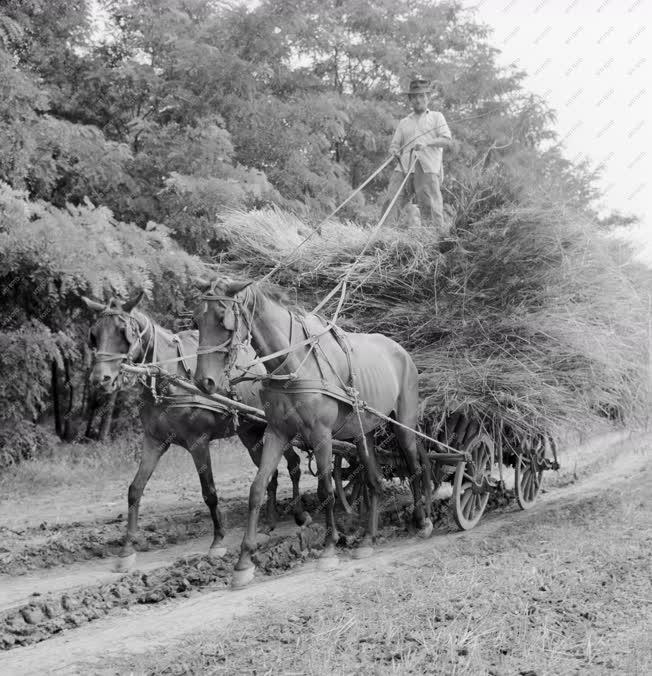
pixel 22 440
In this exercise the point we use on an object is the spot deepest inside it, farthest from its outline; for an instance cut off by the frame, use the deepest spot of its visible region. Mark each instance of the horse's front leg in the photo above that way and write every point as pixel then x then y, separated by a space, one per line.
pixel 274 442
pixel 252 438
pixel 152 452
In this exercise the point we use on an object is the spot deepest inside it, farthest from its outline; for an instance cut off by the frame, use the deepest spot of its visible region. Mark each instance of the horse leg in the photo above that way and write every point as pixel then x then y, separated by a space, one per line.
pixel 374 482
pixel 152 452
pixel 419 477
pixel 427 478
pixel 252 438
pixel 322 445
pixel 301 517
pixel 271 513
pixel 201 456
pixel 273 445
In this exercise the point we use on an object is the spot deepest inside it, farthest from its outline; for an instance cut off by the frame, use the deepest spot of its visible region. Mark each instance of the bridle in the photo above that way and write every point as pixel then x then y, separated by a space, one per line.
pixel 234 342
pixel 133 328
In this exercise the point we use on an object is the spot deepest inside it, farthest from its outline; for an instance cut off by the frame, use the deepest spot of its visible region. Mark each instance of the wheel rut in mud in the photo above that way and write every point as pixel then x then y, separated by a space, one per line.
pixel 47 614
pixel 47 546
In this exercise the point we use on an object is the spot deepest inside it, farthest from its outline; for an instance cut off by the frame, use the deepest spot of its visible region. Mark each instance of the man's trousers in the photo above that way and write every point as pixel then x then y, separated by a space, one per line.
pixel 427 190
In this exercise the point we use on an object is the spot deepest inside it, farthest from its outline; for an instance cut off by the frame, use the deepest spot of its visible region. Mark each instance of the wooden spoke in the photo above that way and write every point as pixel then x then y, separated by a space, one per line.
pixel 349 483
pixel 468 508
pixel 470 489
pixel 466 496
pixel 529 475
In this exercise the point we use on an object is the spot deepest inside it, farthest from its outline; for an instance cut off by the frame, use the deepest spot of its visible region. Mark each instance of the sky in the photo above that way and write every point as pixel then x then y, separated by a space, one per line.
pixel 592 61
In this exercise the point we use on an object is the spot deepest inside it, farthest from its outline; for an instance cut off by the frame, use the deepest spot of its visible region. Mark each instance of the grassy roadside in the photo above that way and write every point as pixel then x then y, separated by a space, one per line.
pixel 564 590
pixel 74 464
pixel 92 472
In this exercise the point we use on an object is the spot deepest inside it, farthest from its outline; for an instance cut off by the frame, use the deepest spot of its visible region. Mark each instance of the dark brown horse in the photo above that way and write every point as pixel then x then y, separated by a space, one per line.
pixel 314 371
pixel 170 415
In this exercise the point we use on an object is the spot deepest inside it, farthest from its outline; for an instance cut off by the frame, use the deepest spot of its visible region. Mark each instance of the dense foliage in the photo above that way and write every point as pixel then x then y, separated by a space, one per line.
pixel 129 127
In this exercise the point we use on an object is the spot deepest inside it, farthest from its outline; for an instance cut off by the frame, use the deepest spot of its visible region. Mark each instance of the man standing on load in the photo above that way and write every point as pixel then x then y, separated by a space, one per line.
pixel 418 144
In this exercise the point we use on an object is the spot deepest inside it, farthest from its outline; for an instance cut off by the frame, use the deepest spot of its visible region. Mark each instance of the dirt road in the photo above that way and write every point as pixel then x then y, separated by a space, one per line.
pixel 178 604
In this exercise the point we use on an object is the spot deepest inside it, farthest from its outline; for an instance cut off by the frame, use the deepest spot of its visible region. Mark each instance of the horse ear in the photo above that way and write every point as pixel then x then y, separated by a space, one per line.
pixel 129 305
pixel 202 284
pixel 234 288
pixel 93 304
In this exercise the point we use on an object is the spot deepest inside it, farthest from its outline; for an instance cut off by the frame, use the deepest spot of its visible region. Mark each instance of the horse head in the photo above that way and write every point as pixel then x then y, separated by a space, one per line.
pixel 115 337
pixel 222 325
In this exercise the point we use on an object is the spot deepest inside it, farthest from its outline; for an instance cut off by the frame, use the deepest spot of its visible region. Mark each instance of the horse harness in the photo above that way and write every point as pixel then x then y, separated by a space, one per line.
pixel 346 393
pixel 135 338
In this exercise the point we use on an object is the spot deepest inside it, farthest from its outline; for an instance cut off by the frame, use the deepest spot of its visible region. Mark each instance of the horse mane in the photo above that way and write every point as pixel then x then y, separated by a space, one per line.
pixel 114 306
pixel 276 294
pixel 166 333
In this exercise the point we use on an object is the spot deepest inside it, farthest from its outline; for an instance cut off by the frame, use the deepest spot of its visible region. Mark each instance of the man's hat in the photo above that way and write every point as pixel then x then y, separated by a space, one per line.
pixel 418 85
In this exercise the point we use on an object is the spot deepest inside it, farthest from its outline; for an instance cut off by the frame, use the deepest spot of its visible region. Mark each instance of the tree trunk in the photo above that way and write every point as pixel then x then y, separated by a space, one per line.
pixel 58 427
pixel 68 432
pixel 91 406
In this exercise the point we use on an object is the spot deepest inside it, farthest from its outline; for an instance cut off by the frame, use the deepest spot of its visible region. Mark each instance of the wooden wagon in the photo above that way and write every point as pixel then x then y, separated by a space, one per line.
pixel 460 447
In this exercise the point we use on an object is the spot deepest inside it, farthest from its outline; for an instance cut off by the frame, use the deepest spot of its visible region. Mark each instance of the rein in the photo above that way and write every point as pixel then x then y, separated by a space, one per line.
pixel 232 344
pixel 347 393
pixel 344 392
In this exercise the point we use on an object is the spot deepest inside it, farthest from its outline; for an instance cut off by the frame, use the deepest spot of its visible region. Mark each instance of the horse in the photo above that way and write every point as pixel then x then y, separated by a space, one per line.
pixel 170 415
pixel 315 371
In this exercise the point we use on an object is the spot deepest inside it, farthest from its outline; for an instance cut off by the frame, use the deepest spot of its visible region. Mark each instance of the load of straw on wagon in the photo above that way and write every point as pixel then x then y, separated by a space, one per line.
pixel 528 328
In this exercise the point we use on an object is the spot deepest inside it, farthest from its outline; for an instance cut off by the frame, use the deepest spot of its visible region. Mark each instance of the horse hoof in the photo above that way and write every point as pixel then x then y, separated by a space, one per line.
pixel 125 563
pixel 326 563
pixel 216 553
pixel 241 578
pixel 306 520
pixel 362 552
pixel 426 531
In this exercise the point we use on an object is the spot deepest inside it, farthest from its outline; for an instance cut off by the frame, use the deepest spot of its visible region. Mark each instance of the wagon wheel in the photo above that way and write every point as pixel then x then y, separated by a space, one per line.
pixel 350 483
pixel 529 472
pixel 471 485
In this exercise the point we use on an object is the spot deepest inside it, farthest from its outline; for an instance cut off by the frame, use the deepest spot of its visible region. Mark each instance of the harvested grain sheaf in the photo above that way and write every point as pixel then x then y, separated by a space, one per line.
pixel 531 319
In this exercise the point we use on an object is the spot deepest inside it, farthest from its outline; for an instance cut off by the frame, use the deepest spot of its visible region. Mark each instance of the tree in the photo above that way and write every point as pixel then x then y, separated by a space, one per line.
pixel 120 153
pixel 51 257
